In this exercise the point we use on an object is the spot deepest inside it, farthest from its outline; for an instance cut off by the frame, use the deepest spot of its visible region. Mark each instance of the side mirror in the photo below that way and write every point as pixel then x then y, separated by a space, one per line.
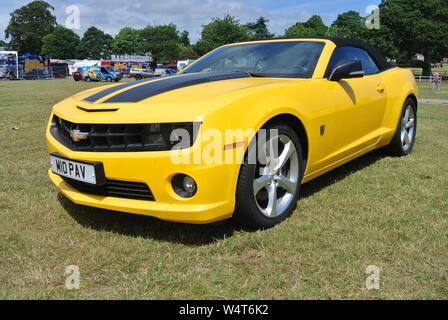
pixel 347 69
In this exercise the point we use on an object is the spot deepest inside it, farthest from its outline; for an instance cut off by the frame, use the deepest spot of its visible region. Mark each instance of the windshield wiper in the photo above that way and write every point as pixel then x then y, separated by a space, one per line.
pixel 252 74
pixel 256 75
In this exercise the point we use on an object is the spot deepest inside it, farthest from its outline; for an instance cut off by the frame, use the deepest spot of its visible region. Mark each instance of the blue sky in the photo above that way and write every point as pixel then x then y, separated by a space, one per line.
pixel 112 15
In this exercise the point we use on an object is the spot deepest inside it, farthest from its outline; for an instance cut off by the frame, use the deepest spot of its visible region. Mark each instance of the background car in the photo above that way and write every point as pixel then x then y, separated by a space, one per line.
pixel 162 72
pixel 91 73
pixel 108 74
pixel 141 73
pixel 77 75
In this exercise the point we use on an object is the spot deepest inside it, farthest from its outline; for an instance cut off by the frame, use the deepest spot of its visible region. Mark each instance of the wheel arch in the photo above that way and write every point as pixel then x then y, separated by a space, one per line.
pixel 298 127
pixel 413 97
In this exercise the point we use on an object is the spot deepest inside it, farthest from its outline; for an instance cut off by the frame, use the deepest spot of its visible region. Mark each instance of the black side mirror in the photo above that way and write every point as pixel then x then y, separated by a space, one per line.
pixel 347 69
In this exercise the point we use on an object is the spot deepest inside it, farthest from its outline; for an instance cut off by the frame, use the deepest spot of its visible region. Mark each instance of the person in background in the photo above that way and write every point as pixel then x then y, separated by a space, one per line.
pixel 435 80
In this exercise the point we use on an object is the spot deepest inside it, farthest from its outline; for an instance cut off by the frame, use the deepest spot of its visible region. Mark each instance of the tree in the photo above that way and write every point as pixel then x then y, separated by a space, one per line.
pixel 162 41
pixel 314 27
pixel 188 53
pixel 62 43
pixel 95 44
pixel 128 41
pixel 349 24
pixel 185 38
pixel 3 44
pixel 258 30
pixel 316 23
pixel 220 32
pixel 28 25
pixel 418 26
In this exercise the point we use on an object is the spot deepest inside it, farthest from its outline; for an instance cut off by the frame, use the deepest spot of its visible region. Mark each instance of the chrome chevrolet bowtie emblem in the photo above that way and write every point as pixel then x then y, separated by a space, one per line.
pixel 77 135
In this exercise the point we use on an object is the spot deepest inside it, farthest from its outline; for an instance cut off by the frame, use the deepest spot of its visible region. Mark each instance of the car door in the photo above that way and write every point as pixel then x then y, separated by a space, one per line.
pixel 359 108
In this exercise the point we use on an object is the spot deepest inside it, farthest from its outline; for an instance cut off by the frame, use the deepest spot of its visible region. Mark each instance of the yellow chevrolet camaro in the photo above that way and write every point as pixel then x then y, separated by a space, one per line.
pixel 234 134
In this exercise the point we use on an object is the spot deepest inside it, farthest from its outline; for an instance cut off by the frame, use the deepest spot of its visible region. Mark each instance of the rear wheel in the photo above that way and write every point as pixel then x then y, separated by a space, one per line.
pixel 88 79
pixel 267 190
pixel 403 141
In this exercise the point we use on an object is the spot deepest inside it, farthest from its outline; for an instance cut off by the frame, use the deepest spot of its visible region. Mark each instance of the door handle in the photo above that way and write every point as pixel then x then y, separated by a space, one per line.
pixel 380 88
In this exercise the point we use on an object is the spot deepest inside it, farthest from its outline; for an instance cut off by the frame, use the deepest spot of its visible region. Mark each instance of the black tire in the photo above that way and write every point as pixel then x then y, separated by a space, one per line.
pixel 247 211
pixel 397 146
pixel 88 79
pixel 138 77
pixel 109 79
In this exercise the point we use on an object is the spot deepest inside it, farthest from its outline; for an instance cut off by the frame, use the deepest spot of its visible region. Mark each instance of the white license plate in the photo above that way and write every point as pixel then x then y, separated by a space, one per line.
pixel 73 169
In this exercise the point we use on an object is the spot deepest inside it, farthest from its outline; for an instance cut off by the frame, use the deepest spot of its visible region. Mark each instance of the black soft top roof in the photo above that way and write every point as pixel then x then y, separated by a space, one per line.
pixel 374 52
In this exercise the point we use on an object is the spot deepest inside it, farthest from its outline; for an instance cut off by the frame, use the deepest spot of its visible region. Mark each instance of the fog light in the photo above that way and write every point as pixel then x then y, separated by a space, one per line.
pixel 184 185
pixel 189 184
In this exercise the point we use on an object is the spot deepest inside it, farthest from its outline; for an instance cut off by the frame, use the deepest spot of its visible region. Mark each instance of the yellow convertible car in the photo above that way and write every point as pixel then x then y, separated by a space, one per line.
pixel 234 134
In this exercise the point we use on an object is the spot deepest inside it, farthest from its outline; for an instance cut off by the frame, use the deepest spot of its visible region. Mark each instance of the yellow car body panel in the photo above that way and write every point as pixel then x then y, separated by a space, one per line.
pixel 359 115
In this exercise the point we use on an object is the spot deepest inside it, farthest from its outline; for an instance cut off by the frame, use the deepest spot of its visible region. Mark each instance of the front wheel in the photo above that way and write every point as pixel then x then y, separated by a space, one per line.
pixel 268 187
pixel 403 141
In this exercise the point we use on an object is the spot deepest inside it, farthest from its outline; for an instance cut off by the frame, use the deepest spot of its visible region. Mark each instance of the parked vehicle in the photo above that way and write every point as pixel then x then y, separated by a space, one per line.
pixel 109 74
pixel 162 72
pixel 139 74
pixel 181 64
pixel 91 73
pixel 77 76
pixel 285 112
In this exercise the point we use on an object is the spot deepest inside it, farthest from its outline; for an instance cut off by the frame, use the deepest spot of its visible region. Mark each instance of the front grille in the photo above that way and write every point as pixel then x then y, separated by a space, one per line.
pixel 114 188
pixel 124 137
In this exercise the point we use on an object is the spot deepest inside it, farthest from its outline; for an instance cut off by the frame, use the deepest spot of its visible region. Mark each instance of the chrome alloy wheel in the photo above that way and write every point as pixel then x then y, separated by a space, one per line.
pixel 275 182
pixel 407 128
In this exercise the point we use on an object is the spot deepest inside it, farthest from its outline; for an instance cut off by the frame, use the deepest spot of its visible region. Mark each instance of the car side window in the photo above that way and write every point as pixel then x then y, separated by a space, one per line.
pixel 351 53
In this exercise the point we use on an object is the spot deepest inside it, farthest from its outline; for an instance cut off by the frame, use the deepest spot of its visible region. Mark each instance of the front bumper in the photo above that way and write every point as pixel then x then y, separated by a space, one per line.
pixel 213 201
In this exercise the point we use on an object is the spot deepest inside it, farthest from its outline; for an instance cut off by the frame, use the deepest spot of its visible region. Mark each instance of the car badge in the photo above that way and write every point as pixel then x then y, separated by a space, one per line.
pixel 77 135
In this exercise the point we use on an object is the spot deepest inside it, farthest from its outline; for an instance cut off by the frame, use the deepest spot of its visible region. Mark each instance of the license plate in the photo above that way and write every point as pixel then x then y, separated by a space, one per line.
pixel 88 172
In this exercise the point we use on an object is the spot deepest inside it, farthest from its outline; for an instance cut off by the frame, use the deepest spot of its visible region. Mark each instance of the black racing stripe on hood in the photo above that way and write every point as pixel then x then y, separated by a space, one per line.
pixel 167 84
pixel 103 93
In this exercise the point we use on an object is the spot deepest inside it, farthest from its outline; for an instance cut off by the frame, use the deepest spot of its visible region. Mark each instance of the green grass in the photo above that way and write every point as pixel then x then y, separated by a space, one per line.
pixel 388 212
pixel 427 92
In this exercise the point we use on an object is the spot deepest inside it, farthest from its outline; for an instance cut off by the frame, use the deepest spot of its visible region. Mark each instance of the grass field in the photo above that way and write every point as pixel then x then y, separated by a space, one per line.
pixel 377 210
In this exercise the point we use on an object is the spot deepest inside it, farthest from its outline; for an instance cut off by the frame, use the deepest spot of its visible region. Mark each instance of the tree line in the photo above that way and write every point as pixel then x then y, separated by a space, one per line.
pixel 407 28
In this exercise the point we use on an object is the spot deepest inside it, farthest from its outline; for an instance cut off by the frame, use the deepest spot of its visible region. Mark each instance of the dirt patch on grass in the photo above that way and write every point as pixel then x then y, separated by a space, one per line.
pixel 437 102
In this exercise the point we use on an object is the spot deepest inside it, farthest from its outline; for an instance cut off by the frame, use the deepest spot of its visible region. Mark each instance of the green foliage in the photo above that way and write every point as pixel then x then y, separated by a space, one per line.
pixel 95 44
pixel 258 30
pixel 128 41
pixel 62 43
pixel 28 25
pixel 349 24
pixel 185 38
pixel 220 32
pixel 314 27
pixel 188 53
pixel 3 44
pixel 163 41
pixel 418 26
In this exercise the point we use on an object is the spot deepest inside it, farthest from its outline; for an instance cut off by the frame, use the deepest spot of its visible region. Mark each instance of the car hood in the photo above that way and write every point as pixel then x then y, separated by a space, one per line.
pixel 176 98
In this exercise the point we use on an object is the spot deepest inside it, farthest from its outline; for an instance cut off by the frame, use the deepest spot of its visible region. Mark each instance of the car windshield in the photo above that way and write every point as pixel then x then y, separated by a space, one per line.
pixel 283 59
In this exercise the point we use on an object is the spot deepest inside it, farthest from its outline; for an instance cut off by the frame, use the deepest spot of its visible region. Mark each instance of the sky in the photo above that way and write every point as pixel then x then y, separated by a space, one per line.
pixel 112 15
